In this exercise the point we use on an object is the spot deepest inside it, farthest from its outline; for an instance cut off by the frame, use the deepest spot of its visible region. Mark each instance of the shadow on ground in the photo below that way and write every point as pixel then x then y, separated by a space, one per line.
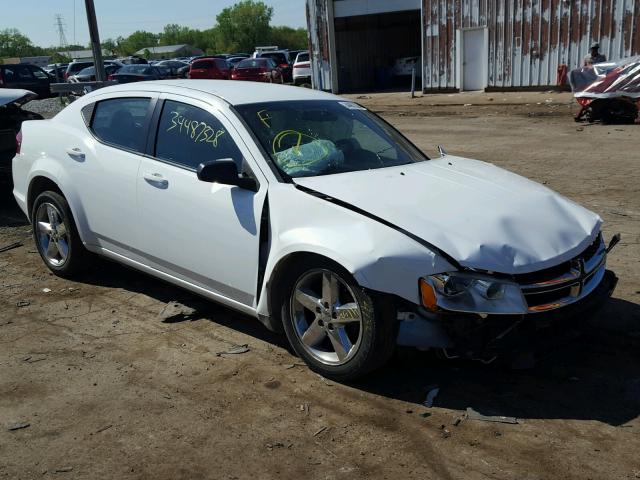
pixel 10 213
pixel 590 375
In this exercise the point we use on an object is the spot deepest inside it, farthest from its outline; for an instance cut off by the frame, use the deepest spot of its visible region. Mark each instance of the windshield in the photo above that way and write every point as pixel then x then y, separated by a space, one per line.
pixel 311 137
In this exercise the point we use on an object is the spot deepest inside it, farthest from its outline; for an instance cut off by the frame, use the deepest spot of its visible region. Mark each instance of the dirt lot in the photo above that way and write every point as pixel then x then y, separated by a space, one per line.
pixel 110 390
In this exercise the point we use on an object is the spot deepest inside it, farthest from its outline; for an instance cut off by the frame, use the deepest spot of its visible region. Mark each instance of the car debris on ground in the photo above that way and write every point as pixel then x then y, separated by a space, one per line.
pixel 235 350
pixel 18 426
pixel 475 415
pixel 11 246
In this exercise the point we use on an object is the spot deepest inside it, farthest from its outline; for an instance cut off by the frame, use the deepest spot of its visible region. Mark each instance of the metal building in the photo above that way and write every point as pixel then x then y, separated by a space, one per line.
pixel 464 44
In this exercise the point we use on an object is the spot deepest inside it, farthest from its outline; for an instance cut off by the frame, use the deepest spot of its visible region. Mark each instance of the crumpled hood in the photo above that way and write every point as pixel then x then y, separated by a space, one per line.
pixel 483 216
pixel 16 95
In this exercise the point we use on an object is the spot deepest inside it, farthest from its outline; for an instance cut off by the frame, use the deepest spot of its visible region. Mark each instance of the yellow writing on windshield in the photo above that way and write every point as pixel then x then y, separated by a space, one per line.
pixel 199 132
pixel 291 135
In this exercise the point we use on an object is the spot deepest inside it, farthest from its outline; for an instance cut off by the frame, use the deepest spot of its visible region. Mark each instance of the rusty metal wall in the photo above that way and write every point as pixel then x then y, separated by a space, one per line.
pixel 527 39
pixel 318 18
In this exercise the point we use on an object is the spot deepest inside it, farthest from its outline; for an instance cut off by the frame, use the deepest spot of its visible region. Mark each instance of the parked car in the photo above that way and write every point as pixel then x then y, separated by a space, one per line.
pixel 281 58
pixel 89 74
pixel 302 69
pixel 233 61
pixel 405 65
pixel 138 73
pixel 27 77
pixel 56 72
pixel 11 117
pixel 257 70
pixel 133 60
pixel 310 213
pixel 209 68
pixel 75 67
pixel 183 72
pixel 173 65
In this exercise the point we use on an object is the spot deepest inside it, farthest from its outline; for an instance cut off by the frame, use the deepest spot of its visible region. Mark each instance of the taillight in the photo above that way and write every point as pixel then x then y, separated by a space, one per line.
pixel 284 65
pixel 66 75
pixel 1 78
pixel 110 77
pixel 18 141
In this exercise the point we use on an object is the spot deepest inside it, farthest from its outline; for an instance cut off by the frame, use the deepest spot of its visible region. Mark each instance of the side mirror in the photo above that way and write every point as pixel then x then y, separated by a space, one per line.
pixel 225 172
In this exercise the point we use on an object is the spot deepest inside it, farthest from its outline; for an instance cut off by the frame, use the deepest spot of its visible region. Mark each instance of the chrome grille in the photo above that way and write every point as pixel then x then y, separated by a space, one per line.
pixel 562 284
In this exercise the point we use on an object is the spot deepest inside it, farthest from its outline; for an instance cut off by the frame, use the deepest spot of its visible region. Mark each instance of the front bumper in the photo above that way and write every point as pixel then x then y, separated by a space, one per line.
pixel 472 336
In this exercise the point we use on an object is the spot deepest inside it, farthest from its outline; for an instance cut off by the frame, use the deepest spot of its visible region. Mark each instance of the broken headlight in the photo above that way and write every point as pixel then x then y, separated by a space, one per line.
pixel 472 293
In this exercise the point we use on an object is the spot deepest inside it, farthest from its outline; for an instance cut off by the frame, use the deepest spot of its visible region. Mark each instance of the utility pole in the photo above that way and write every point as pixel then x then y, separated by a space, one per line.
pixel 95 41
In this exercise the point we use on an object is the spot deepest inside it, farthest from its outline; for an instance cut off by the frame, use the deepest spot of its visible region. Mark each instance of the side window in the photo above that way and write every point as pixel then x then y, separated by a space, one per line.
pixel 188 136
pixel 120 121
pixel 38 73
pixel 15 73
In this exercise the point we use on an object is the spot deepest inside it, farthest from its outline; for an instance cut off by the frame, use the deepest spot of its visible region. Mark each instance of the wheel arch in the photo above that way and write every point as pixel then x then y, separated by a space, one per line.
pixel 37 185
pixel 42 182
pixel 275 285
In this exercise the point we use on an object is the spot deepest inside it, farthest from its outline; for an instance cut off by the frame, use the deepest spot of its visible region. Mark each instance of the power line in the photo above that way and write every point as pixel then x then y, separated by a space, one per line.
pixel 62 38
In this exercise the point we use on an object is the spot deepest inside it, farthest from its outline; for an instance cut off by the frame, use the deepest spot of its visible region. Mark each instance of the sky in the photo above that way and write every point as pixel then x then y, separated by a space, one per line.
pixel 36 18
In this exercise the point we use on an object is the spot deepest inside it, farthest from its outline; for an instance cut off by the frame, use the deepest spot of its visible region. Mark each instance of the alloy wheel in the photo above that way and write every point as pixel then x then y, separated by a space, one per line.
pixel 327 317
pixel 52 234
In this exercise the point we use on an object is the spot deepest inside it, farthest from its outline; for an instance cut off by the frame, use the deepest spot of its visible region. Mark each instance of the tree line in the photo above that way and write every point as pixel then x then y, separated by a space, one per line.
pixel 238 28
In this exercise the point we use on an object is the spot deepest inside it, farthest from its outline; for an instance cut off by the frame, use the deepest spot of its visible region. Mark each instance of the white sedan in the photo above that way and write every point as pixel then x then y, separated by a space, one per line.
pixel 310 213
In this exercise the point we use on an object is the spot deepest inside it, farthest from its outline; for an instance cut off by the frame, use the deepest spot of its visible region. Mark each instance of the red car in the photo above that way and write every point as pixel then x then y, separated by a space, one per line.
pixel 212 68
pixel 258 70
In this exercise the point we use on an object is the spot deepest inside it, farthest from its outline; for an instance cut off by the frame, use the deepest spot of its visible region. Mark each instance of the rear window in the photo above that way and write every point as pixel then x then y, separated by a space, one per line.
pixel 253 63
pixel 120 122
pixel 222 64
pixel 278 57
pixel 77 66
pixel 303 57
pixel 203 64
pixel 140 69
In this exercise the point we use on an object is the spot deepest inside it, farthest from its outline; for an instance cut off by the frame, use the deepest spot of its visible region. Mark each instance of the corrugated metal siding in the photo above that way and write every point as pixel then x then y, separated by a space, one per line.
pixel 528 39
pixel 317 24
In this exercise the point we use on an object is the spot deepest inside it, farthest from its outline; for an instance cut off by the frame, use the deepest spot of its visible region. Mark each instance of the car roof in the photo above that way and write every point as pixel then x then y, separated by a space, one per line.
pixel 233 92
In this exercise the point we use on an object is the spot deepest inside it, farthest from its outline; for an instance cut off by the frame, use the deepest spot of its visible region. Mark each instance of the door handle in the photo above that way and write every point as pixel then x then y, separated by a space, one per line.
pixel 155 179
pixel 76 154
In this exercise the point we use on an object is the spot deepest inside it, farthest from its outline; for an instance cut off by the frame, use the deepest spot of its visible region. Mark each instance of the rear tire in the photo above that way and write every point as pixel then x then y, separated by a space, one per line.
pixel 340 330
pixel 56 235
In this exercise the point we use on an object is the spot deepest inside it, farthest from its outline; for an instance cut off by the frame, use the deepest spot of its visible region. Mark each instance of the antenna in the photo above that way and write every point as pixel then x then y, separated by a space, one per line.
pixel 60 25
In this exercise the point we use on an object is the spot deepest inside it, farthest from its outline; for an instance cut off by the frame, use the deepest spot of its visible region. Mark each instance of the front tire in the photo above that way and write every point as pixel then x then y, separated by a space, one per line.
pixel 56 235
pixel 340 330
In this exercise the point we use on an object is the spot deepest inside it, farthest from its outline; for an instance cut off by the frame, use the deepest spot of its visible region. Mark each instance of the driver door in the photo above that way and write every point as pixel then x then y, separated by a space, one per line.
pixel 206 234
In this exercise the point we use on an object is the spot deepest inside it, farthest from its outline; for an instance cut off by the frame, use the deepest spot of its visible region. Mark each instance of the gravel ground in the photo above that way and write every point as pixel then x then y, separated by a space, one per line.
pixel 97 382
pixel 48 107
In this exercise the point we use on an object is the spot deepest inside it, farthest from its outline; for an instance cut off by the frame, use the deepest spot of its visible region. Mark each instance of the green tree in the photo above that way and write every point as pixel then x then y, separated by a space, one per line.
pixel 136 41
pixel 244 25
pixel 287 37
pixel 109 46
pixel 15 44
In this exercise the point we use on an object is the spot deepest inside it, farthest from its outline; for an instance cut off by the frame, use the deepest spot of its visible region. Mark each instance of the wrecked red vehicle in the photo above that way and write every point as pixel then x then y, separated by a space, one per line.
pixel 608 92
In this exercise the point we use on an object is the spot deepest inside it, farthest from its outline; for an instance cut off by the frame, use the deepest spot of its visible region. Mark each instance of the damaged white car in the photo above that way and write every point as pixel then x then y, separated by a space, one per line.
pixel 310 213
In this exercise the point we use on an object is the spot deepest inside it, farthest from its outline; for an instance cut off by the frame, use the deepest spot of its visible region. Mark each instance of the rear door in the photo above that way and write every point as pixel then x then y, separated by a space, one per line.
pixel 105 167
pixel 204 233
